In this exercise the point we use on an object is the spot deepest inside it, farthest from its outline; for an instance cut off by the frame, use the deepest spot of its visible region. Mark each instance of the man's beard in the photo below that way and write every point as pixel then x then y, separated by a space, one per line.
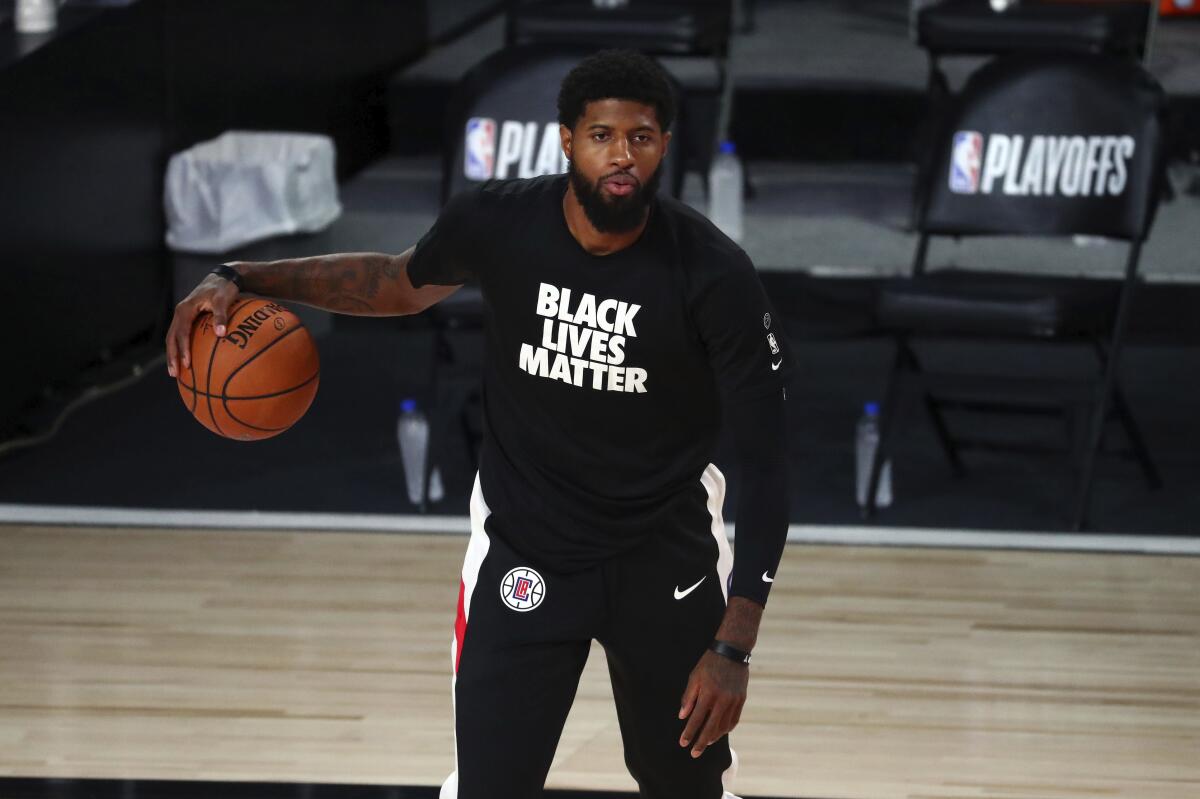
pixel 612 214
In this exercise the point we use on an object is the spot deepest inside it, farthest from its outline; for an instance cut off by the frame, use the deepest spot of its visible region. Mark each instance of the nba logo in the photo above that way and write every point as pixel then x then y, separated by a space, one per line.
pixel 965 160
pixel 479 152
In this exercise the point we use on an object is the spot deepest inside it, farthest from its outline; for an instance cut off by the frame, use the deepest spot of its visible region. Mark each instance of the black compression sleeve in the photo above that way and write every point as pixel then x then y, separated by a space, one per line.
pixel 762 512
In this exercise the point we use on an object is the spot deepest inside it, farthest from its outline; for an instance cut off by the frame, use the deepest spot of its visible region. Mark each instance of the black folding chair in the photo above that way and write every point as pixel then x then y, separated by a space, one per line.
pixel 689 28
pixel 1035 145
pixel 502 122
pixel 1119 28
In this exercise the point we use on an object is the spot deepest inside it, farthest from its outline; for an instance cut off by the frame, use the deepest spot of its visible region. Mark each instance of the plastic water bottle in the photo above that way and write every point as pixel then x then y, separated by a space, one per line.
pixel 412 433
pixel 725 191
pixel 866 441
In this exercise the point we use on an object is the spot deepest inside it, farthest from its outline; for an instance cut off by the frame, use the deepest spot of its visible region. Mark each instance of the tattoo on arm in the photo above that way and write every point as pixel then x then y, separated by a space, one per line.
pixel 355 283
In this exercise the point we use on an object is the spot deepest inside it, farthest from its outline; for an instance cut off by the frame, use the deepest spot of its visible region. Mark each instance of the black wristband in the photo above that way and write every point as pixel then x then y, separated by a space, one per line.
pixel 727 651
pixel 229 273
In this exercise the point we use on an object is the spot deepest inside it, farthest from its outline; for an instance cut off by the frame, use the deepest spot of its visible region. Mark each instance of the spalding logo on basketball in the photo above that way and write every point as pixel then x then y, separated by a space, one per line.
pixel 522 589
pixel 256 381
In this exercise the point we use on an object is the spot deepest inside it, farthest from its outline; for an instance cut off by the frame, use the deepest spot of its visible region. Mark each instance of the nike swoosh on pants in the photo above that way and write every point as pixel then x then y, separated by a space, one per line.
pixel 681 594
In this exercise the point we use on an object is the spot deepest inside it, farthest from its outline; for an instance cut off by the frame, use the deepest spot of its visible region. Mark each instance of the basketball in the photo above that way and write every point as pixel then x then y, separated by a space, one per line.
pixel 258 380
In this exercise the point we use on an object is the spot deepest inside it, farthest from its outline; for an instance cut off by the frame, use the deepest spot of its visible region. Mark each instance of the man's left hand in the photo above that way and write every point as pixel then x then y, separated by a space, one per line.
pixel 713 700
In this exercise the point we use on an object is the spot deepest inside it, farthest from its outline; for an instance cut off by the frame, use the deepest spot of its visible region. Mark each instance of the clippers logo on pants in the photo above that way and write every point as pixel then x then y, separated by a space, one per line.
pixel 522 589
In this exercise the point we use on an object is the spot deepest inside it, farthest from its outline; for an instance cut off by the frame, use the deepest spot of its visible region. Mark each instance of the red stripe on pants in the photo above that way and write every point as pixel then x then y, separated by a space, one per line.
pixel 460 625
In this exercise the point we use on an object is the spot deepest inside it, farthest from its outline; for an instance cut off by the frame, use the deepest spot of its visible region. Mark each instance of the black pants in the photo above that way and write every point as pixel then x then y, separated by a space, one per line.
pixel 522 637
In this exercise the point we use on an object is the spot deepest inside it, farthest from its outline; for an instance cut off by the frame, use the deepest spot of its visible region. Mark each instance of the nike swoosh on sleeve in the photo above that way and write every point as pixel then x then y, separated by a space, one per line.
pixel 776 364
pixel 767 579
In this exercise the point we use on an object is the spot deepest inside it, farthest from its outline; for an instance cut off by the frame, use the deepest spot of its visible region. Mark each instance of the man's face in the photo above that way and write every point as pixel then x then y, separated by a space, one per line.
pixel 614 154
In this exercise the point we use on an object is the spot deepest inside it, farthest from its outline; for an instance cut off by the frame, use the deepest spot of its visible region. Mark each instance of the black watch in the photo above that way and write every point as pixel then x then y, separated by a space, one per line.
pixel 729 651
pixel 229 273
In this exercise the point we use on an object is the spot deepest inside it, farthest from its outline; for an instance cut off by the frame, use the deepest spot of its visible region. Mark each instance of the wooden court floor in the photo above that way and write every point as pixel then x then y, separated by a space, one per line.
pixel 324 657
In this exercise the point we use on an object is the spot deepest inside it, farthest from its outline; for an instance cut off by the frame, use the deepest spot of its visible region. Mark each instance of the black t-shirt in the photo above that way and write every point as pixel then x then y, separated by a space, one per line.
pixel 604 375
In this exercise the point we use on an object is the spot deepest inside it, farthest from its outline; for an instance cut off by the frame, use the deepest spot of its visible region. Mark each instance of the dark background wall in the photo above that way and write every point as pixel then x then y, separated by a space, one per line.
pixel 89 116
pixel 81 155
pixel 304 65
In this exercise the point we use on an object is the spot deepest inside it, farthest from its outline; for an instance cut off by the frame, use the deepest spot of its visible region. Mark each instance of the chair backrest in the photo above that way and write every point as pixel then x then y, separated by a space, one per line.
pixel 1041 144
pixel 975 27
pixel 503 121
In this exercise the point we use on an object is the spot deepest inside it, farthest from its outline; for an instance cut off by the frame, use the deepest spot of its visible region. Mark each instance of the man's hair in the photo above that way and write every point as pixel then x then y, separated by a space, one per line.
pixel 616 74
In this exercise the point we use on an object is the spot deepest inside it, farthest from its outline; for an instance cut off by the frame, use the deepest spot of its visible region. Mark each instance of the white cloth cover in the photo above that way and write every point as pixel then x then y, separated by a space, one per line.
pixel 242 187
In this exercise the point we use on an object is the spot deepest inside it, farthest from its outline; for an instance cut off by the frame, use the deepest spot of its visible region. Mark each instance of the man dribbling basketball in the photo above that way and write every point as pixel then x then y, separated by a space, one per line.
pixel 620 325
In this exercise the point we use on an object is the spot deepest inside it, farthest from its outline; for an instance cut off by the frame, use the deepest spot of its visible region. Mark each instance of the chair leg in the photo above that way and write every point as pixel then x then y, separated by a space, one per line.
pixel 1125 415
pixel 943 434
pixel 1140 450
pixel 938 421
pixel 1108 389
pixel 1092 449
pixel 1110 357
pixel 891 402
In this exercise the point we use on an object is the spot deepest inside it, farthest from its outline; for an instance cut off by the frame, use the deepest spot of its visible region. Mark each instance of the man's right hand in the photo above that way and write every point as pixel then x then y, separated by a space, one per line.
pixel 214 294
